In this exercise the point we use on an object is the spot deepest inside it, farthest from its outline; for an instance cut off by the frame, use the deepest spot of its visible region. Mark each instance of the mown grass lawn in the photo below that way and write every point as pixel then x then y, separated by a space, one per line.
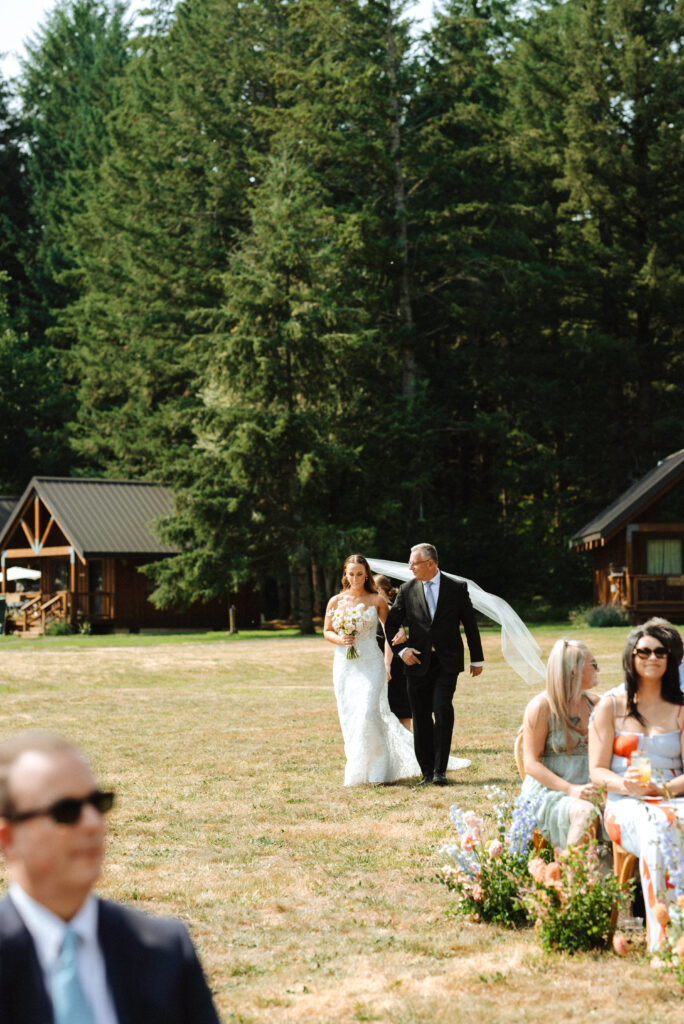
pixel 309 902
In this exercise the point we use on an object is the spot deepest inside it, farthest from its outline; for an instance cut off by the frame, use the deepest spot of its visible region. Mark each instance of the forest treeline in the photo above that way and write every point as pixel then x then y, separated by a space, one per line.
pixel 343 287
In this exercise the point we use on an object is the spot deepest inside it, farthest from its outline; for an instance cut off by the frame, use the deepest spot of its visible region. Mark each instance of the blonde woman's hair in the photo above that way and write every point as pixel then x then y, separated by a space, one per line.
pixel 564 682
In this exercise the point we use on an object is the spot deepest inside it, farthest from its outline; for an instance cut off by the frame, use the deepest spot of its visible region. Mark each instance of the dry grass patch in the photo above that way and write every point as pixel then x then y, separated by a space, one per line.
pixel 310 903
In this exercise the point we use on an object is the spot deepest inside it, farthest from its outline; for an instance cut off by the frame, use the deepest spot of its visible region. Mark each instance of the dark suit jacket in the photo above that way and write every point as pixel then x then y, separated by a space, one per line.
pixel 443 632
pixel 152 969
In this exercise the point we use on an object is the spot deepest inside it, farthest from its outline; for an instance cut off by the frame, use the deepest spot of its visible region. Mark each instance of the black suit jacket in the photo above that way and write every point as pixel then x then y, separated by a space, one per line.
pixel 152 969
pixel 442 633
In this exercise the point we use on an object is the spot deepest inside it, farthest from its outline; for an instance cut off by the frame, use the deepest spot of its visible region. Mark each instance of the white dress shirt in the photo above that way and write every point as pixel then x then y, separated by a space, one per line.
pixel 47 931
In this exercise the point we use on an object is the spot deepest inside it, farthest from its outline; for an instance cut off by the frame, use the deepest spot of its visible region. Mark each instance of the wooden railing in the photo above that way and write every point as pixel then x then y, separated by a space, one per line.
pixel 645 591
pixel 36 614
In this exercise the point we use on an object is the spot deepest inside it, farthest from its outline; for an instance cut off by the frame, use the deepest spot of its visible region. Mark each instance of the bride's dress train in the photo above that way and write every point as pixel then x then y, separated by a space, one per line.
pixel 377 747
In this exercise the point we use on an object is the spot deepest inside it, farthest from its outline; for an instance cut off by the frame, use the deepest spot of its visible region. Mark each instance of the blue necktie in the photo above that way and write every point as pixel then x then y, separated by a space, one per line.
pixel 69 1001
pixel 430 598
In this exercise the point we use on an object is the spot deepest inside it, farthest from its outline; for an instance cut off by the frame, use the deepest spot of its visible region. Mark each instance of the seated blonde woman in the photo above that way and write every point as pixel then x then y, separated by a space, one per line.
pixel 555 729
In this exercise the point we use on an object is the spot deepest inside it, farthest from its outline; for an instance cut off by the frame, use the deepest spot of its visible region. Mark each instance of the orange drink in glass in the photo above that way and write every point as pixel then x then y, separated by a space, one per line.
pixel 642 763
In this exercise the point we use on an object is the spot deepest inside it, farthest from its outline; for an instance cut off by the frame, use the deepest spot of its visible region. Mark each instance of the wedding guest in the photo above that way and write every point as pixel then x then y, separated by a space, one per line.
pixel 67 956
pixel 397 694
pixel 636 747
pixel 555 728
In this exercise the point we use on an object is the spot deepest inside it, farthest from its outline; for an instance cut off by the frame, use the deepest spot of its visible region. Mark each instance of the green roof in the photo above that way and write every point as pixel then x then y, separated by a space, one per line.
pixel 101 517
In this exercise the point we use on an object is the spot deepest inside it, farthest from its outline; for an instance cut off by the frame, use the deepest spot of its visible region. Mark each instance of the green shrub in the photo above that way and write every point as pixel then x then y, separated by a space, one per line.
pixel 58 629
pixel 601 615
pixel 608 615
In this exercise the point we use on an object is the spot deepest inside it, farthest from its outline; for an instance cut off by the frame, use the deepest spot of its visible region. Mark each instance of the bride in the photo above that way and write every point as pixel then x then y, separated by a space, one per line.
pixel 378 749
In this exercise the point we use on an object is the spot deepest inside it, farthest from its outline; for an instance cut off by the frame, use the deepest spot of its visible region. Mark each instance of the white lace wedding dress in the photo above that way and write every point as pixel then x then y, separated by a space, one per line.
pixel 377 747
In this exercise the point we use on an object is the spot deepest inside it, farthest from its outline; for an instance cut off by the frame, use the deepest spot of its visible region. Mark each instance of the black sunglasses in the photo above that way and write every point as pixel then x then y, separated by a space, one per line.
pixel 646 652
pixel 67 811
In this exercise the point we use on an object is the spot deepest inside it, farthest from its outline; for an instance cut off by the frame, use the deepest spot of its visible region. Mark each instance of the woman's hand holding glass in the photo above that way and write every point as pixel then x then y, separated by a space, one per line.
pixel 638 777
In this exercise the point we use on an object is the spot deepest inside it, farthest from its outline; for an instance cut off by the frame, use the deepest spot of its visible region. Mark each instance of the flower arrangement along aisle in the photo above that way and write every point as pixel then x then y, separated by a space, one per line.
pixel 345 622
pixel 669 911
pixel 564 894
pixel 573 904
pixel 487 877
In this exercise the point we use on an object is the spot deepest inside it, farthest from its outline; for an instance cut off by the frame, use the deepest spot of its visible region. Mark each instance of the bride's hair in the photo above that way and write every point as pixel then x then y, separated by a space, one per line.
pixel 563 681
pixel 368 585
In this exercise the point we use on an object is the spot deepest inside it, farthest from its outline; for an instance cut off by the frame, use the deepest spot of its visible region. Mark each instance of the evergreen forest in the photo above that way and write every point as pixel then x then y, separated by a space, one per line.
pixel 347 287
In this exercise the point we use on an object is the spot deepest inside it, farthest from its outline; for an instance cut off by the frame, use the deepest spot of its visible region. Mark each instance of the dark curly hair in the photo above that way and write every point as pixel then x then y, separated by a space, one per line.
pixel 669 684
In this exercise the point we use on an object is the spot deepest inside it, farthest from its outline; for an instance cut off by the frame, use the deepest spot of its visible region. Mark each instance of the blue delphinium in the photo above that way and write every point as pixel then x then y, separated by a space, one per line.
pixel 671 843
pixel 523 823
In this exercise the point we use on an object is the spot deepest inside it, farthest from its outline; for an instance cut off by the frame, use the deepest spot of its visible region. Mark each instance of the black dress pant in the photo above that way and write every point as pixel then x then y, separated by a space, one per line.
pixel 432 711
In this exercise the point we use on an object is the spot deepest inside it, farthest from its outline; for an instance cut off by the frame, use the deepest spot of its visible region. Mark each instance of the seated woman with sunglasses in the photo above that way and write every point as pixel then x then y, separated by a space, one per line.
pixel 555 746
pixel 636 747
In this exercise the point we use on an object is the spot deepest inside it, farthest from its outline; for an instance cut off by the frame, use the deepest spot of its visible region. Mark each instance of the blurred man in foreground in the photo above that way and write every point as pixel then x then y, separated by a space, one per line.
pixel 66 956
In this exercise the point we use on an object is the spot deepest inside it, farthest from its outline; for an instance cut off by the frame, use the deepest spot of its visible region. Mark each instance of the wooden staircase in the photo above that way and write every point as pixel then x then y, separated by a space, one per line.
pixel 32 619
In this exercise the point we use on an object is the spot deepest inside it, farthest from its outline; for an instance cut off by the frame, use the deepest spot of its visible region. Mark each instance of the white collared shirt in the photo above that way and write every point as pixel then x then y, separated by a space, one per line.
pixel 47 931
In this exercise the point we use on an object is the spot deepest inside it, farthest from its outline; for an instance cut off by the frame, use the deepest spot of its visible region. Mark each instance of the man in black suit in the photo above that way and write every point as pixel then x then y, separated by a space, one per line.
pixel 432 607
pixel 65 955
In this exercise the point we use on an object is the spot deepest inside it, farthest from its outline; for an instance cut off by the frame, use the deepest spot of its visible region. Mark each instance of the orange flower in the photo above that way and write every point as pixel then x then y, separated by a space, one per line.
pixel 679 948
pixel 552 873
pixel 620 944
pixel 537 869
pixel 661 914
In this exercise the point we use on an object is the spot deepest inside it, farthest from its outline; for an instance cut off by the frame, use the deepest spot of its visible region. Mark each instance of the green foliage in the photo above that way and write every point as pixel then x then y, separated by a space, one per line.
pixel 58 629
pixel 573 902
pixel 340 291
pixel 607 615
pixel 486 877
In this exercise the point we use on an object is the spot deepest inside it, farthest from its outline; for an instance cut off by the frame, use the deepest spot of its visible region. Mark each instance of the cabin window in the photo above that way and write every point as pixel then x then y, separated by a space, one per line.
pixel 663 557
pixel 60 574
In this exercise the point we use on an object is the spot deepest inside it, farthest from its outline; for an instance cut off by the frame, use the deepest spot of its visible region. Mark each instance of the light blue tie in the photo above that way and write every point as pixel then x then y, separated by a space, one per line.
pixel 430 598
pixel 69 1001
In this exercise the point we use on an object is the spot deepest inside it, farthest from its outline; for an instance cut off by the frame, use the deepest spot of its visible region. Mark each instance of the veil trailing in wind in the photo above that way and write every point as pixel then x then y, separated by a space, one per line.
pixel 519 648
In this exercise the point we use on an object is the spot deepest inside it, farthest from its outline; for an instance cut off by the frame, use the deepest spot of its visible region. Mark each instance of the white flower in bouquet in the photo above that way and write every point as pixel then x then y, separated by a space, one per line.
pixel 345 622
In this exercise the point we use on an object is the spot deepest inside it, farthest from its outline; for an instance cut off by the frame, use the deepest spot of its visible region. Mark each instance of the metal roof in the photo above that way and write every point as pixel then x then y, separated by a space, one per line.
pixel 101 517
pixel 661 478
pixel 7 506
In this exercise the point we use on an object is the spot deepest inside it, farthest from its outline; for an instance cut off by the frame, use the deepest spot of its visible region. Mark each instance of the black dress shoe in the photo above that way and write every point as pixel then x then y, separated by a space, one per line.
pixel 425 781
pixel 440 779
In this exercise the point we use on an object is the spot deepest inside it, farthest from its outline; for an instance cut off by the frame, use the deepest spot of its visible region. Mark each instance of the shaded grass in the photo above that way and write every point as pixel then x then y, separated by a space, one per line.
pixel 309 902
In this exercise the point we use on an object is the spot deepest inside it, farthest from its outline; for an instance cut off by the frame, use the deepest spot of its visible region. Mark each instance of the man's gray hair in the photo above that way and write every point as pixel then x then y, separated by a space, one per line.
pixel 427 551
pixel 11 750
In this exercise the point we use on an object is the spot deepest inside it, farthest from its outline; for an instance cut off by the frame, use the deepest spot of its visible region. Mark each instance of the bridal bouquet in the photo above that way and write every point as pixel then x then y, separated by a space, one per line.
pixel 345 622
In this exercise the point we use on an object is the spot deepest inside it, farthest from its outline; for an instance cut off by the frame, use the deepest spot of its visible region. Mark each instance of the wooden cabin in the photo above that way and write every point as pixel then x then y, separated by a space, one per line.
pixel 636 545
pixel 89 539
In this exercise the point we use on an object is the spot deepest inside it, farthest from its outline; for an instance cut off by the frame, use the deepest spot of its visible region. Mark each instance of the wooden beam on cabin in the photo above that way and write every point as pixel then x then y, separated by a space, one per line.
pixel 30 553
pixel 36 516
pixel 47 530
pixel 29 536
pixel 661 527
